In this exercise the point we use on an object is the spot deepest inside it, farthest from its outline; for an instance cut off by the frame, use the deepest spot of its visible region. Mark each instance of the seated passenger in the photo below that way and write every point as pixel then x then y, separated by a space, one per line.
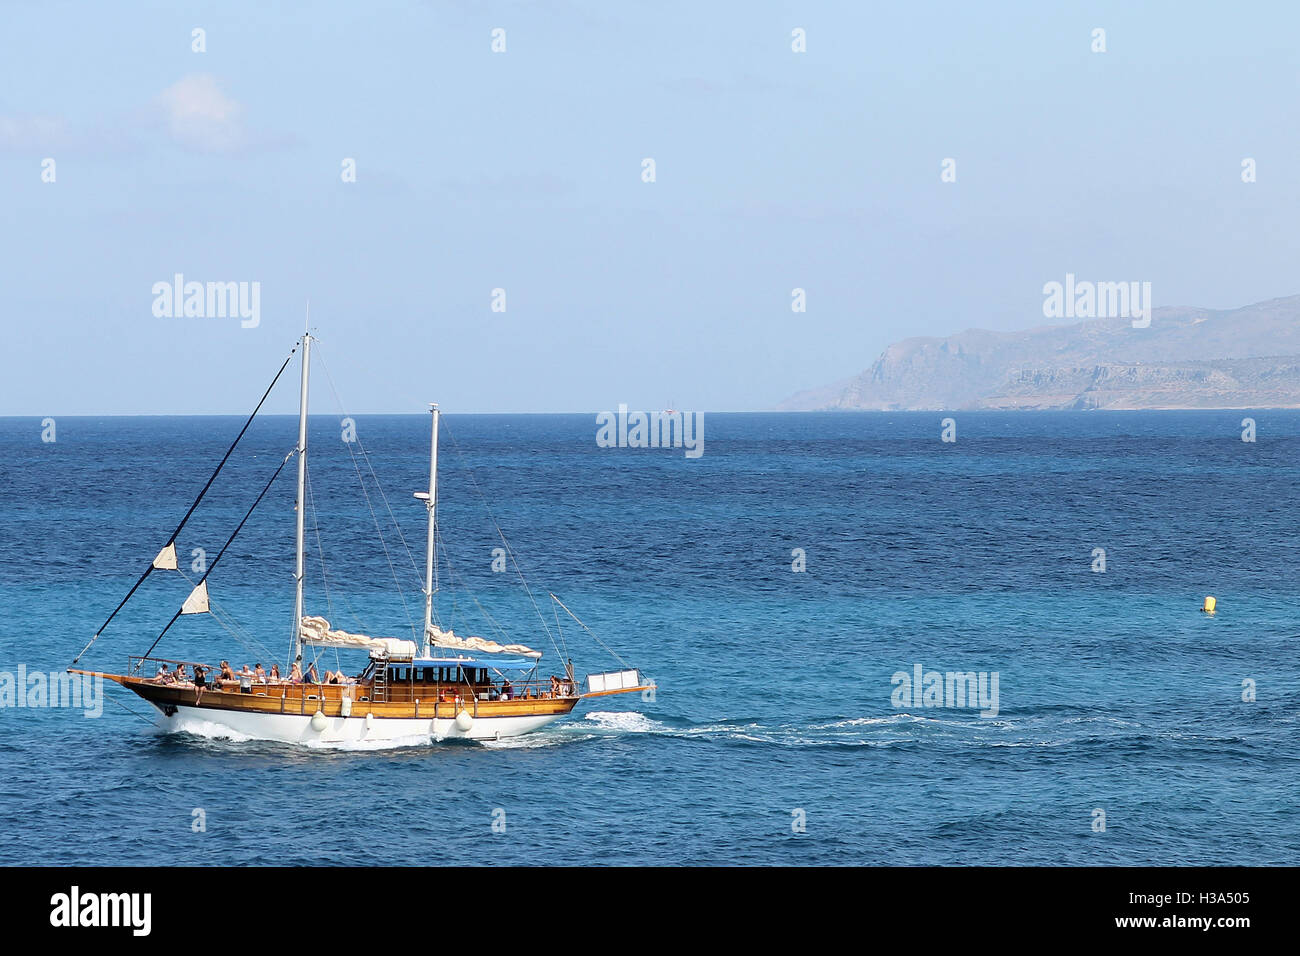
pixel 259 674
pixel 225 673
pixel 275 672
pixel 295 673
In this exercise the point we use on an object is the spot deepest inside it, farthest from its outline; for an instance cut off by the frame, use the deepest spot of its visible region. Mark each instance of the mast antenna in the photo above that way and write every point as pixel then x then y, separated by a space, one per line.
pixel 301 507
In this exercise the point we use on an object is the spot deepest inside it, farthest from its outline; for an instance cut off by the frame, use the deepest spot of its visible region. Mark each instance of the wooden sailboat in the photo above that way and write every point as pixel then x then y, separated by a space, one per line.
pixel 447 687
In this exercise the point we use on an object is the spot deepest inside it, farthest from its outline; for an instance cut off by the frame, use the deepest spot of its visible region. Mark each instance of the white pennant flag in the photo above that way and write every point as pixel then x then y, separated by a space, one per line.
pixel 197 602
pixel 166 560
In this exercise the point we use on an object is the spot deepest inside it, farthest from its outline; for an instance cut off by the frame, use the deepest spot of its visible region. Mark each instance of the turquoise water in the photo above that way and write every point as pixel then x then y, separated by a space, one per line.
pixel 774 700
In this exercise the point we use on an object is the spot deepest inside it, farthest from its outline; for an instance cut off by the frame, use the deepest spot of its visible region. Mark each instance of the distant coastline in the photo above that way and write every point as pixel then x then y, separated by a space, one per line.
pixel 1185 359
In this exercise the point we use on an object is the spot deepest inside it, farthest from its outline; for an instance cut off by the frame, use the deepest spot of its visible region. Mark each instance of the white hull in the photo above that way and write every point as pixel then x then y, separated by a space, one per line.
pixel 297 729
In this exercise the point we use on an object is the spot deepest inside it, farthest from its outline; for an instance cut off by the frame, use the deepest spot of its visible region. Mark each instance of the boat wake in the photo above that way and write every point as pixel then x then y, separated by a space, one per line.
pixel 888 730
pixel 624 722
pixel 203 728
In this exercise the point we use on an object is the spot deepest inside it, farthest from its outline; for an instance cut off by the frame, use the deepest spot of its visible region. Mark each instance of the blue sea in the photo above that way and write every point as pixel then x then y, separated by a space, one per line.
pixel 774 735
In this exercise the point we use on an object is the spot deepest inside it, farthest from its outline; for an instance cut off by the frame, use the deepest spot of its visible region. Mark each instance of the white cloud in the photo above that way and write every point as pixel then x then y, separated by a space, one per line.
pixel 32 132
pixel 200 117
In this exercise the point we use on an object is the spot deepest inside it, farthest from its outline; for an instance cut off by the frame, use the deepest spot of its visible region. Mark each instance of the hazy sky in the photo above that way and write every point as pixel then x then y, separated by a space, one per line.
pixel 522 170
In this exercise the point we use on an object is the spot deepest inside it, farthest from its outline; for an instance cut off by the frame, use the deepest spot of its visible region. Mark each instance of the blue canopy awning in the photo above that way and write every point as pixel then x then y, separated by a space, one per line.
pixel 496 663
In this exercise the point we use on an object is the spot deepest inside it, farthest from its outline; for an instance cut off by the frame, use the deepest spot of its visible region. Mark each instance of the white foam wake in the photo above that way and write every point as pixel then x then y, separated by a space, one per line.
pixel 204 728
pixel 624 721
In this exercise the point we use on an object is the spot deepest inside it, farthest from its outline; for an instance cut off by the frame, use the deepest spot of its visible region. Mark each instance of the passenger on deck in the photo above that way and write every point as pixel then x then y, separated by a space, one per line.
pixel 164 676
pixel 245 672
pixel 275 673
pixel 179 675
pixel 555 687
pixel 507 690
pixel 311 677
pixel 225 673
pixel 200 681
pixel 259 674
pixel 295 673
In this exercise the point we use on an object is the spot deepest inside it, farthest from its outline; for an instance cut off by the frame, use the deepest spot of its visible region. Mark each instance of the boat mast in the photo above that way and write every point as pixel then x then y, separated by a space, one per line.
pixel 431 505
pixel 301 506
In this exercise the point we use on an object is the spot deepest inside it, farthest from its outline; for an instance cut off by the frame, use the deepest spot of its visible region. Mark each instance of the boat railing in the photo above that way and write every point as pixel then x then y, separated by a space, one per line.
pixel 135 665
pixel 360 691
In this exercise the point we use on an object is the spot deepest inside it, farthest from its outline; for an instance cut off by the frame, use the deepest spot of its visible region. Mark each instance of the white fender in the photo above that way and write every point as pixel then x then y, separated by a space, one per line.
pixel 464 721
pixel 318 721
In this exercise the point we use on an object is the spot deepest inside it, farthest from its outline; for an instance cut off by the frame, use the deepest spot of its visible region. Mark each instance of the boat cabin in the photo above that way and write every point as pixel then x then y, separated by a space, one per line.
pixel 458 678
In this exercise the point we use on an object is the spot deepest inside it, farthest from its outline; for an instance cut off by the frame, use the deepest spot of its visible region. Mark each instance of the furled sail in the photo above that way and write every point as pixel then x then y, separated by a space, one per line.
pixel 441 638
pixel 316 631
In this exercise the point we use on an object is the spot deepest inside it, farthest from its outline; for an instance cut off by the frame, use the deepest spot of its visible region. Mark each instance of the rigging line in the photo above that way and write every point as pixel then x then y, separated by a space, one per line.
pixel 455 575
pixel 172 539
pixel 231 626
pixel 365 455
pixel 251 644
pixel 378 487
pixel 560 629
pixel 320 547
pixel 501 534
pixel 212 567
pixel 492 622
pixel 133 713
pixel 384 544
pixel 590 631
pixel 375 518
pixel 329 598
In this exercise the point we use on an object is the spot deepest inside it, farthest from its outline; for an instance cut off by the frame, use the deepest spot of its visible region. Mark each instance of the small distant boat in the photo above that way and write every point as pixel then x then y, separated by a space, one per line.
pixel 443 687
pixel 670 410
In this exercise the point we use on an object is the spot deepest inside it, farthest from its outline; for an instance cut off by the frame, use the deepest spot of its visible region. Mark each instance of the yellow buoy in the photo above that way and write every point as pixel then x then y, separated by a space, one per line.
pixel 1208 606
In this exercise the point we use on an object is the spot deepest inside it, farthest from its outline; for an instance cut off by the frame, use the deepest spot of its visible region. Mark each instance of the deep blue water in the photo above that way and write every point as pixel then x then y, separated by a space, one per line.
pixel 775 686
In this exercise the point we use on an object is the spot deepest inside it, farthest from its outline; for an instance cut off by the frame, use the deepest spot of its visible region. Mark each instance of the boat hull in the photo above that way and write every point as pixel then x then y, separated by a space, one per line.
pixel 335 731
pixel 325 715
